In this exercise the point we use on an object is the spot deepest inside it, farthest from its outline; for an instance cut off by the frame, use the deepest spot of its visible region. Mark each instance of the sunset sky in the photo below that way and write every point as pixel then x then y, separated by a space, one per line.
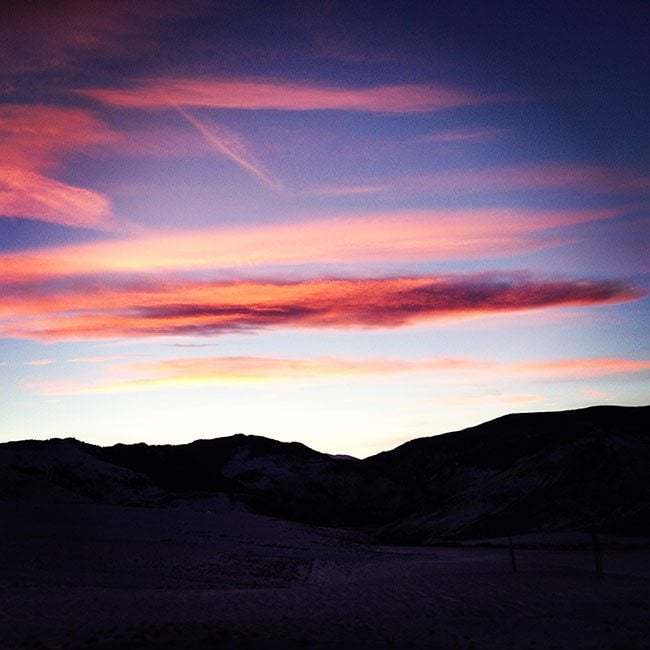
pixel 348 224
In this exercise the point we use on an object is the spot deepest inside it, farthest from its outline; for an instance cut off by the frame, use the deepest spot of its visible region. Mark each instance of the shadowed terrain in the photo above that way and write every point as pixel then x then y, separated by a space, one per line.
pixel 573 470
pixel 249 542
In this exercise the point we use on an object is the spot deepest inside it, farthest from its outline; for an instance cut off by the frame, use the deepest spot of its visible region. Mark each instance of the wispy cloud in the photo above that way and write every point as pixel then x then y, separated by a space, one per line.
pixel 37 134
pixel 476 134
pixel 596 180
pixel 192 372
pixel 275 94
pixel 400 235
pixel 228 144
pixel 97 359
pixel 507 179
pixel 328 191
pixel 30 195
pixel 100 310
pixel 32 140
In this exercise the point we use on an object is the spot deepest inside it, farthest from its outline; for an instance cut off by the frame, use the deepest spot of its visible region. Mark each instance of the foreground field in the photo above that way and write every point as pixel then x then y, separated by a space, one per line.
pixel 206 574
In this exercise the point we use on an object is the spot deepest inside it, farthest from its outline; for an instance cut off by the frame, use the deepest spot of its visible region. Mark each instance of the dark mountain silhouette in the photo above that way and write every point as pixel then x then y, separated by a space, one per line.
pixel 570 470
pixel 525 472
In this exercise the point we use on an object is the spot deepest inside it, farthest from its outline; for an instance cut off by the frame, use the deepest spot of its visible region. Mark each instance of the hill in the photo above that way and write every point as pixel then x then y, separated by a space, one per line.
pixel 554 471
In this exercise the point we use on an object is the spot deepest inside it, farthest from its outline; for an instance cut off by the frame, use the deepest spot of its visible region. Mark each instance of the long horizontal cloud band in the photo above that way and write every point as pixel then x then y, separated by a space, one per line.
pixel 192 371
pixel 101 311
pixel 250 94
pixel 398 235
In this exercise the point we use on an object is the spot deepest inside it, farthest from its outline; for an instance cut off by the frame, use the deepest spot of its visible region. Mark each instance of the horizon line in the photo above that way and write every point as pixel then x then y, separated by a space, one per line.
pixel 324 453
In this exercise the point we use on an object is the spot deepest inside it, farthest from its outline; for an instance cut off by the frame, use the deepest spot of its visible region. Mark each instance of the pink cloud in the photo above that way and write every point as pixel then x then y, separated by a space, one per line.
pixel 230 145
pixel 400 235
pixel 38 134
pixel 193 371
pixel 28 194
pixel 33 138
pixel 586 368
pixel 40 362
pixel 479 134
pixel 346 190
pixel 260 94
pixel 97 359
pixel 100 310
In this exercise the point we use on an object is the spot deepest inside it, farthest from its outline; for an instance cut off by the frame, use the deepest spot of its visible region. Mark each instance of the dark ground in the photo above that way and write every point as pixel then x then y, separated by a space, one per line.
pixel 210 575
pixel 249 542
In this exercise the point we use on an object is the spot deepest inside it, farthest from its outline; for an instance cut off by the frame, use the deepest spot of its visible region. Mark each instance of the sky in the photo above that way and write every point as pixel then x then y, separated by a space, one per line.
pixel 347 224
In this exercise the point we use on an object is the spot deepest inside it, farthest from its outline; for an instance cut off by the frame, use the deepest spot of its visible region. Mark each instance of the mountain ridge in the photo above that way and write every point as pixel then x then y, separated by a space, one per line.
pixel 520 472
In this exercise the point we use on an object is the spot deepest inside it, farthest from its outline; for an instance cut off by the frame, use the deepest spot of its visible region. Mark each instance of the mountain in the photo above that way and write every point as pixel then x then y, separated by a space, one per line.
pixel 68 471
pixel 566 470
pixel 569 470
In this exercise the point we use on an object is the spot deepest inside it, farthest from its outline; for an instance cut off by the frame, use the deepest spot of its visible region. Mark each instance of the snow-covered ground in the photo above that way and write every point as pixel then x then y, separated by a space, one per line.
pixel 207 573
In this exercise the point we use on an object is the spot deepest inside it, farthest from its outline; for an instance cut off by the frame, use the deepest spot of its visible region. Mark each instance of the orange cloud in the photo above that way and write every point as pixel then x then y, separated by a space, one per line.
pixel 584 368
pixel 32 138
pixel 99 310
pixel 255 94
pixel 411 235
pixel 194 371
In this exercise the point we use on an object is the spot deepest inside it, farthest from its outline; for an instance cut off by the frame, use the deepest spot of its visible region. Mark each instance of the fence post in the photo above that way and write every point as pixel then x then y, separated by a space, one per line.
pixel 598 554
pixel 513 559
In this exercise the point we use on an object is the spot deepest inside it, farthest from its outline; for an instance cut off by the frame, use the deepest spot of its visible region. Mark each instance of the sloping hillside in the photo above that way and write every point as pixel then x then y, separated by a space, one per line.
pixel 537 471
pixel 572 470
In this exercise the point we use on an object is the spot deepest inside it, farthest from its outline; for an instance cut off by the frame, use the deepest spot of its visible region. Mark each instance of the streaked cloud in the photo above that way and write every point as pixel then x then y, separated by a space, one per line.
pixel 40 362
pixel 102 310
pixel 506 179
pixel 385 236
pixel 469 181
pixel 36 134
pixel 328 191
pixel 97 359
pixel 232 146
pixel 276 94
pixel 475 134
pixel 546 176
pixel 29 195
pixel 192 371
pixel 33 139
